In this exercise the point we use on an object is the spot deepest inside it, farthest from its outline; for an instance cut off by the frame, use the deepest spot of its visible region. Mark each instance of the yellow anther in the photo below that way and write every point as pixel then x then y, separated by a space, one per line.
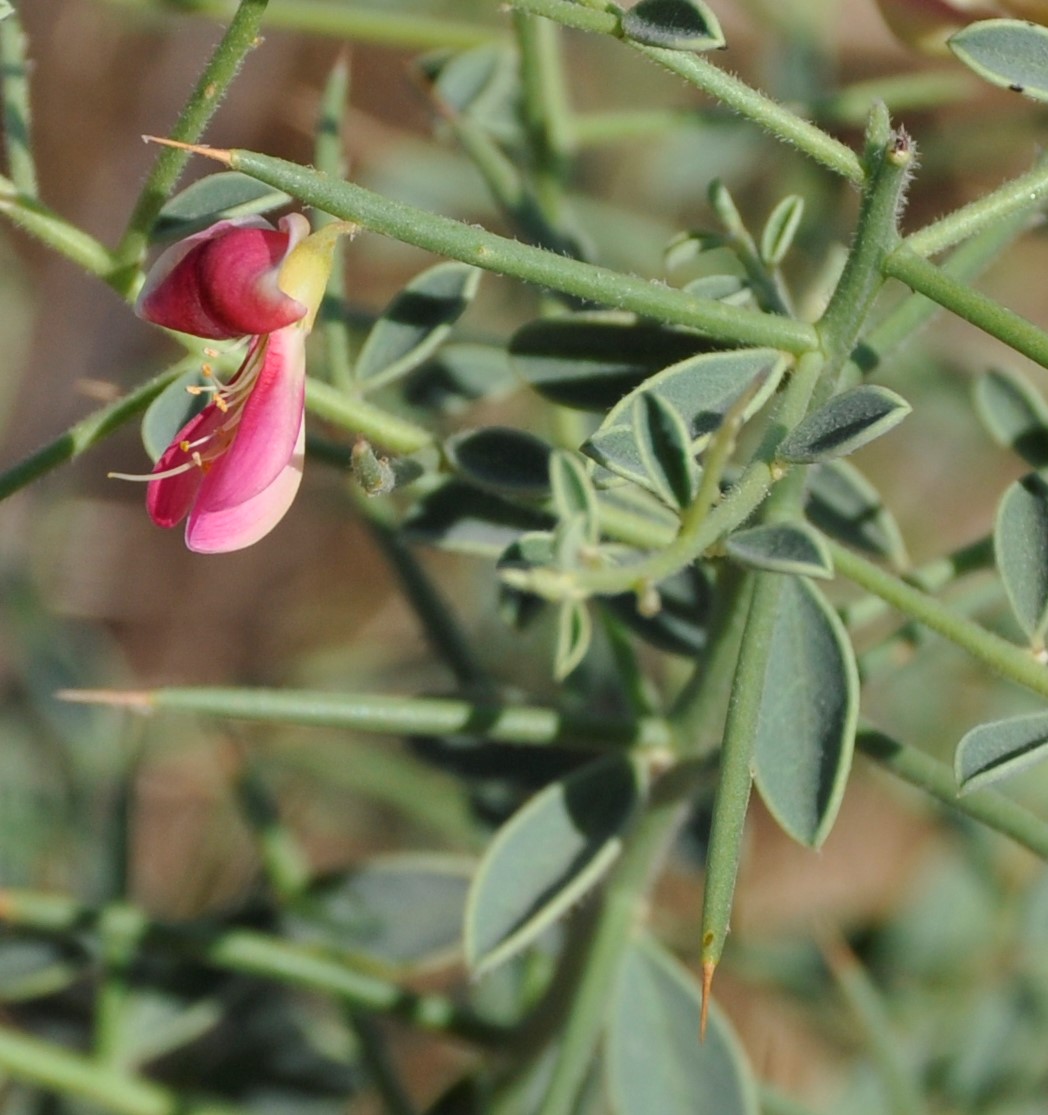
pixel 185 445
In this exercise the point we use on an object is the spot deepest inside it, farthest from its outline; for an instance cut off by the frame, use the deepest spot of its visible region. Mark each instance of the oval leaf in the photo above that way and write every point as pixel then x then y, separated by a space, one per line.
pixel 845 505
pixel 573 493
pixel 1014 414
pixel 780 229
pixel 417 320
pixel 214 198
pixel 846 422
pixel 997 750
pixel 701 390
pixel 458 516
pixel 1020 539
pixel 782 548
pixel 655 1063
pixel 549 854
pixel 574 635
pixel 502 460
pixel 1010 53
pixel 674 24
pixel 457 375
pixel 589 361
pixel 679 625
pixel 665 448
pixel 808 711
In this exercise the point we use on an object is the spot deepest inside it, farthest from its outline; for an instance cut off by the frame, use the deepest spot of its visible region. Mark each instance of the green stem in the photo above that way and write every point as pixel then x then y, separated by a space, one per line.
pixel 379 1065
pixel 484 249
pixel 730 91
pixel 1021 195
pixel 348 979
pixel 937 780
pixel 284 861
pixel 57 1070
pixel 527 725
pixel 990 316
pixel 241 37
pixel 387 430
pixel 14 88
pixel 1012 661
pixel 334 18
pixel 88 431
pixel 32 216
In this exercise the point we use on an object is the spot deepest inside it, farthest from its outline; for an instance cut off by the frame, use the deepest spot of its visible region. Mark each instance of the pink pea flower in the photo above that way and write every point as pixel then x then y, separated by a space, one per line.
pixel 234 469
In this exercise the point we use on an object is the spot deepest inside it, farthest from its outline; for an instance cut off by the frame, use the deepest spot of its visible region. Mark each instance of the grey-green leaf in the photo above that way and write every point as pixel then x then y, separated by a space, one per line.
pixel 655 1063
pixel 549 854
pixel 665 449
pixel 458 374
pixel 780 229
pixel 1020 539
pixel 590 360
pixel 457 516
pixel 808 711
pixel 1014 414
pixel 217 197
pixel 1011 53
pixel 573 492
pixel 701 389
pixel 171 410
pixel 847 422
pixel 574 635
pixel 502 460
pixel 417 320
pixel 1002 748
pixel 673 24
pixel 845 505
pixel 782 548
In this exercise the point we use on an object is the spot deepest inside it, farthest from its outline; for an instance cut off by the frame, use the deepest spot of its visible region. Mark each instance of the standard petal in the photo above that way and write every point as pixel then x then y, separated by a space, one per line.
pixel 222 282
pixel 268 428
pixel 217 531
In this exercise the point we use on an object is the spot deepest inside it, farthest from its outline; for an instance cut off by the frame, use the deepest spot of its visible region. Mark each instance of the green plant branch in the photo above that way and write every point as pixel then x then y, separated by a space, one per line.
pixel 14 88
pixel 937 780
pixel 1005 658
pixel 248 952
pixel 774 118
pixel 88 431
pixel 1024 194
pixel 46 1065
pixel 241 37
pixel 409 30
pixel 476 246
pixel 528 725
pixel 348 412
pixel 925 278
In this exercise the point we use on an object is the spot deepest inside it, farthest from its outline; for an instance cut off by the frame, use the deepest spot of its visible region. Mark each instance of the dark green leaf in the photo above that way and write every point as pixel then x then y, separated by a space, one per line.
pixel 673 24
pixel 574 635
pixel 459 374
pixel 1005 747
pixel 589 361
pixel 655 1063
pixel 214 198
pixel 171 410
pixel 808 711
pixel 502 460
pixel 780 229
pixel 782 548
pixel 1010 53
pixel 458 516
pixel 373 909
pixel 547 857
pixel 573 492
pixel 417 320
pixel 665 449
pixel 845 505
pixel 517 608
pixel 847 422
pixel 679 626
pixel 31 969
pixel 701 390
pixel 1020 540
pixel 1015 415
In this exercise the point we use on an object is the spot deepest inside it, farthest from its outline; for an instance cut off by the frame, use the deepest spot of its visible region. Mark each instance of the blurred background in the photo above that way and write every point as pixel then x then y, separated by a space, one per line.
pixel 98 804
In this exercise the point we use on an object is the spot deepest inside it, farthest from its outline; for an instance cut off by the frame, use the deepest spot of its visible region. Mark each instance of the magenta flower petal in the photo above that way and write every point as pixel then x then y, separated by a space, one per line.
pixel 222 282
pixel 169 498
pixel 267 424
pixel 216 531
